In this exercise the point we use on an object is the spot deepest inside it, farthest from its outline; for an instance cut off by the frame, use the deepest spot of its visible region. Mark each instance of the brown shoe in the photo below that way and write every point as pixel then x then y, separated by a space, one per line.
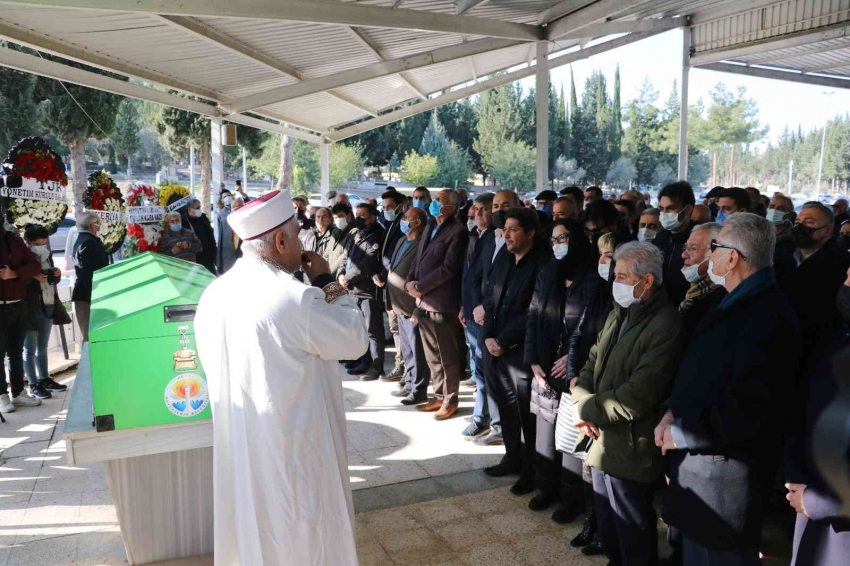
pixel 432 405
pixel 446 412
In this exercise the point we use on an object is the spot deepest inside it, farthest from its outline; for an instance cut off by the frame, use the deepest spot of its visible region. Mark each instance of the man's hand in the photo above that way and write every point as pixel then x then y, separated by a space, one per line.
pixel 57 272
pixel 588 429
pixel 41 277
pixel 376 279
pixel 795 496
pixel 573 382
pixel 665 423
pixel 559 369
pixel 493 347
pixel 478 314
pixel 7 273
pixel 461 318
pixel 313 265
pixel 413 290
pixel 668 444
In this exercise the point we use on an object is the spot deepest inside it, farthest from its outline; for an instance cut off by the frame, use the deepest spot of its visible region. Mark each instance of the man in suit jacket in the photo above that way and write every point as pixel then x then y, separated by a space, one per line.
pixel 413 387
pixel 393 202
pixel 514 277
pixel 724 422
pixel 435 281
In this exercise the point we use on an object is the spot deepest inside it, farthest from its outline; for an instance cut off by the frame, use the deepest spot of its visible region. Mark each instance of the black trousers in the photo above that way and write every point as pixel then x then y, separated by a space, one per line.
pixel 373 312
pixel 417 374
pixel 12 334
pixel 627 520
pixel 511 385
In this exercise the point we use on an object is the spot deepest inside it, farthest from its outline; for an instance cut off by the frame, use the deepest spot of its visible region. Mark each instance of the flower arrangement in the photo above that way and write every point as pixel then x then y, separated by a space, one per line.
pixel 170 193
pixel 42 198
pixel 103 194
pixel 142 238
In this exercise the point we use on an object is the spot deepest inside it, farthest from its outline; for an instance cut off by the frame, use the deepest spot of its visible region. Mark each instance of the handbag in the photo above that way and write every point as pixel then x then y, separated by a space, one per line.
pixel 60 315
pixel 568 439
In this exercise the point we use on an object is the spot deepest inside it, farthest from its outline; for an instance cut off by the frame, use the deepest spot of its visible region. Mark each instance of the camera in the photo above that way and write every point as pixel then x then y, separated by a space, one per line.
pixel 11 181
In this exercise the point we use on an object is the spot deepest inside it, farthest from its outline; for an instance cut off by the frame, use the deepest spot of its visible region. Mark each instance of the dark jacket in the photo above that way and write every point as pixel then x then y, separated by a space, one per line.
pixel 203 229
pixel 392 235
pixel 438 268
pixel 506 310
pixel 674 280
pixel 623 384
pixel 338 247
pixel 484 269
pixel 89 256
pixel 363 261
pixel 35 299
pixel 319 243
pixel 473 269
pixel 15 254
pixel 700 307
pixel 397 299
pixel 729 400
pixel 591 324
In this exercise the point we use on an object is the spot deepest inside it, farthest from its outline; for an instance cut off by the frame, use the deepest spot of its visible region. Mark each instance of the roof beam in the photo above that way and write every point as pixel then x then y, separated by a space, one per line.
pixel 500 80
pixel 464 6
pixel 276 128
pixel 376 70
pixel 821 68
pixel 730 8
pixel 780 42
pixel 600 11
pixel 794 77
pixel 313 11
pixel 222 40
pixel 560 10
pixel 773 59
pixel 366 42
pixel 611 28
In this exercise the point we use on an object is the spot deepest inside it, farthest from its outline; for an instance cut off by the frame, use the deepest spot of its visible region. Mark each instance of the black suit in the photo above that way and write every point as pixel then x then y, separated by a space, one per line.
pixel 392 235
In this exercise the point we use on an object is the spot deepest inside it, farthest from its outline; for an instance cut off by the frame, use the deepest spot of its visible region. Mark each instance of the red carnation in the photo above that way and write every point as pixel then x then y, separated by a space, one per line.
pixel 143 245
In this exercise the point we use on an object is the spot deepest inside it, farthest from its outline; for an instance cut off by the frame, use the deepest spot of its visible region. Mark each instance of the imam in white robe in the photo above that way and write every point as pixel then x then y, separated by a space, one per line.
pixel 270 347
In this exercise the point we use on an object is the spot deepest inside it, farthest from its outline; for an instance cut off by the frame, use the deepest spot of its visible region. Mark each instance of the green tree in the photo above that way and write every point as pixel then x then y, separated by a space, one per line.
pixel 562 133
pixel 394 164
pixel 460 121
pixel 454 163
pixel 514 165
pixel 267 163
pixel 346 164
pixel 306 169
pixel 616 141
pixel 19 112
pixel 410 132
pixel 419 169
pixel 663 175
pixel 622 173
pixel 125 135
pixel 498 122
pixel 179 129
pixel 641 136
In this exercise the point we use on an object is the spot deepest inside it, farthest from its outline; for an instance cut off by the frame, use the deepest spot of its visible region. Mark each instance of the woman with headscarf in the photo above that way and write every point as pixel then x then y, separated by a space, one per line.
pixel 564 290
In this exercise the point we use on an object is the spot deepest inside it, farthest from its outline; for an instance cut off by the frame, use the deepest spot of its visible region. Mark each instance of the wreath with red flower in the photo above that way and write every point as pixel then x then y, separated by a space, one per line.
pixel 41 199
pixel 145 237
pixel 104 197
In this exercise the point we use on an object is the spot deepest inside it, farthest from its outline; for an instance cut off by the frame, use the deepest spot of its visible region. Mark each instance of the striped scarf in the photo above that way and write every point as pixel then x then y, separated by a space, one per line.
pixel 698 290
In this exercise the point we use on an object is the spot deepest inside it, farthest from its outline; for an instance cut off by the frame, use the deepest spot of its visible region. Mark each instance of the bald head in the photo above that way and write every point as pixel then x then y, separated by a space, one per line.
pixel 415 213
pixel 701 214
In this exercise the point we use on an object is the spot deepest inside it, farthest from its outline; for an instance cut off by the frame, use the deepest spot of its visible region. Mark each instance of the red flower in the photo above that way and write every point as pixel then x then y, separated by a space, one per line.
pixel 143 245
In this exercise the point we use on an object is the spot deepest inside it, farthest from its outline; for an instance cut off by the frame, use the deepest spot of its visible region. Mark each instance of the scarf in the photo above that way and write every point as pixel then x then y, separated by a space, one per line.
pixel 698 291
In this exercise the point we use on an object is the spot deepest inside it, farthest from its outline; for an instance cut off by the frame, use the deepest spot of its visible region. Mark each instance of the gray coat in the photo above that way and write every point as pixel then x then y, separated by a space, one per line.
pixel 226 254
pixel 396 297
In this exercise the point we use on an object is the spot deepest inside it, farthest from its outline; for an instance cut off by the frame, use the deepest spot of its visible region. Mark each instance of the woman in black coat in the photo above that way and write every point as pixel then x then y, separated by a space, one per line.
pixel 203 229
pixel 564 290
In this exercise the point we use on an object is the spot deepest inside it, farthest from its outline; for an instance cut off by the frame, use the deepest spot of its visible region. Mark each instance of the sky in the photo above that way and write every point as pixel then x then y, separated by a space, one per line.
pixel 660 58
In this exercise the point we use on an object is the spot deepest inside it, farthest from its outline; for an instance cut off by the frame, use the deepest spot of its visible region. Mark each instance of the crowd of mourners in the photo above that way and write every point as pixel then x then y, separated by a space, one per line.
pixel 616 349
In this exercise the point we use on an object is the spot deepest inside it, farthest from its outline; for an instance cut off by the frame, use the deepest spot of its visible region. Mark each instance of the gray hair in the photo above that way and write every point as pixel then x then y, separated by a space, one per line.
pixel 713 229
pixel 645 258
pixel 193 202
pixel 652 212
pixel 85 220
pixel 753 236
pixel 174 214
pixel 453 196
pixel 259 247
pixel 485 199
pixel 830 216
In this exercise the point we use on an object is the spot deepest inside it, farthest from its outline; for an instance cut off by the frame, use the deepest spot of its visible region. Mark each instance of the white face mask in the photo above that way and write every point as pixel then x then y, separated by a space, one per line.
pixel 646 235
pixel 195 212
pixel 227 201
pixel 604 270
pixel 625 294
pixel 561 250
pixel 691 272
pixel 41 252
pixel 471 225
pixel 716 279
pixel 341 223
pixel 776 216
pixel 670 220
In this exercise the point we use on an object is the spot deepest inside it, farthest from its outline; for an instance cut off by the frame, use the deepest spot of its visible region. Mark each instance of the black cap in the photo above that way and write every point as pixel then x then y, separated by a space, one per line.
pixel 715 192
pixel 546 195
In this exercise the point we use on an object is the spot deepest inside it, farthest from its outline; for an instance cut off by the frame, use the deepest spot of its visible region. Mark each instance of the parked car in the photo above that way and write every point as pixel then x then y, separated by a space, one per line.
pixel 57 240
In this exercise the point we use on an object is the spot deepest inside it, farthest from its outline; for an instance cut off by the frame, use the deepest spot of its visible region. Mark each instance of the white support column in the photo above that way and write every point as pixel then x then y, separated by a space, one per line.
pixel 216 157
pixel 683 112
pixel 192 169
pixel 325 164
pixel 245 170
pixel 542 100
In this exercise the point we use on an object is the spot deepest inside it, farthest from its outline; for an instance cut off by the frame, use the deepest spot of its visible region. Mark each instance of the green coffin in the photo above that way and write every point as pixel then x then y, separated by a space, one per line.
pixel 144 364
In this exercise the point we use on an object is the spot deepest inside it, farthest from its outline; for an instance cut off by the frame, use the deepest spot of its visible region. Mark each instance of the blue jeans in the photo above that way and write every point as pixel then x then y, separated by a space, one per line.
pixel 481 412
pixel 35 349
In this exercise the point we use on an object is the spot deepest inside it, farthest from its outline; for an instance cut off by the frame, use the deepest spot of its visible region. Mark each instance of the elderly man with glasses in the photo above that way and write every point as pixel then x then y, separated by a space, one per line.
pixel 723 421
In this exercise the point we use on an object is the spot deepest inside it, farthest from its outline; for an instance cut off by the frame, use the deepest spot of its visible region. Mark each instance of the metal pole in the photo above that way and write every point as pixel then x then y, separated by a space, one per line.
pixel 823 142
pixel 542 99
pixel 325 164
pixel 683 110
pixel 192 169
pixel 216 157
pixel 245 169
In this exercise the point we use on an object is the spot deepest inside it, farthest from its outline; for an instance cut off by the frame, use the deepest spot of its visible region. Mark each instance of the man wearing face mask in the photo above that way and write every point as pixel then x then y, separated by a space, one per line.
pixel 464 205
pixel 844 236
pixel 732 201
pixel 546 202
pixel 203 229
pixel 225 250
pixel 649 225
pixel 564 209
pixel 393 202
pixel 676 203
pixel 343 231
pixel 179 242
pixel 422 198
pixel 362 264
pixel 723 422
pixel 703 293
pixel 618 396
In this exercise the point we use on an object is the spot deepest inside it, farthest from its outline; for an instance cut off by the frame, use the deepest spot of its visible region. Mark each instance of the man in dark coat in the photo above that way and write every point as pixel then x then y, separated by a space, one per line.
pixel 514 277
pixel 728 402
pixel 435 281
pixel 203 229
pixel 676 203
pixel 89 256
pixel 393 202
pixel 362 264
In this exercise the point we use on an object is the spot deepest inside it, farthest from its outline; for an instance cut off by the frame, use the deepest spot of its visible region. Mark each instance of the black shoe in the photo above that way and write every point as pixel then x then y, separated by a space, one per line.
pixel 588 530
pixel 51 385
pixel 523 487
pixel 567 512
pixel 352 365
pixel 400 392
pixel 37 391
pixel 358 370
pixel 502 469
pixel 543 501
pixel 594 548
pixel 414 399
pixel 370 375
pixel 396 374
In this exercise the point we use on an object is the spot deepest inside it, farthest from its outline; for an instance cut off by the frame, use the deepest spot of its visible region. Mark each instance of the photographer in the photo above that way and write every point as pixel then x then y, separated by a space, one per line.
pixel 17 266
pixel 43 311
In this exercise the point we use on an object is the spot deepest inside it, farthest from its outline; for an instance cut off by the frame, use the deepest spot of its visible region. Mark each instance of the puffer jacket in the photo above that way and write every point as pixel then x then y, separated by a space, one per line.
pixel 621 388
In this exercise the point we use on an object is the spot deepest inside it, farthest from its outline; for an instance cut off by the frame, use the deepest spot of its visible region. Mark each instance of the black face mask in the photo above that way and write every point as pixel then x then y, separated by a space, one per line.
pixel 844 242
pixel 499 219
pixel 360 223
pixel 802 236
pixel 713 208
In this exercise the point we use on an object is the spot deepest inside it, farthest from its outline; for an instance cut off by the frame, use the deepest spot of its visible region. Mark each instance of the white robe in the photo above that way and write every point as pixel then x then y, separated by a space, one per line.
pixel 270 346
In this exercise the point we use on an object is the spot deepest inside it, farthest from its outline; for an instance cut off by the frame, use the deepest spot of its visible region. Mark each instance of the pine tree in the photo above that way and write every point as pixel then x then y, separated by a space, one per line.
pixel 125 136
pixel 578 141
pixel 616 120
pixel 560 118
pixel 19 116
pixel 498 121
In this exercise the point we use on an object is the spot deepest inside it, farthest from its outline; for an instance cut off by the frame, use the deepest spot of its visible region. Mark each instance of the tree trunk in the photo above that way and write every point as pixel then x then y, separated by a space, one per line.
pixel 78 173
pixel 284 175
pixel 732 166
pixel 714 168
pixel 206 176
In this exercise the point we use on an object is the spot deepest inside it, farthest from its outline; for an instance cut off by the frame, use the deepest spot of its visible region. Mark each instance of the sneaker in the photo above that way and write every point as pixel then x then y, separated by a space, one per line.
pixel 6 405
pixel 51 385
pixel 474 430
pixel 396 374
pixel 38 391
pixel 370 375
pixel 25 401
pixel 492 439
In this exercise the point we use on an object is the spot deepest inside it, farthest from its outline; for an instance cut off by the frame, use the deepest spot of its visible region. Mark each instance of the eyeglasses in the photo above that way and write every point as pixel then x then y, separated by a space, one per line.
pixel 562 239
pixel 715 244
